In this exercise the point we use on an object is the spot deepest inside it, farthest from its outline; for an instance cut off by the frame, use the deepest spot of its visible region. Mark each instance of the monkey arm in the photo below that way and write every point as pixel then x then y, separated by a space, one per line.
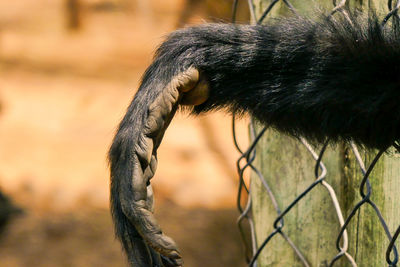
pixel 326 80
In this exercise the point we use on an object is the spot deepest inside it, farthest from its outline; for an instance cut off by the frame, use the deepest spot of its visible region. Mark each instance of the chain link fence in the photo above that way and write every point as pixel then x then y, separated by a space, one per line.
pixel 248 156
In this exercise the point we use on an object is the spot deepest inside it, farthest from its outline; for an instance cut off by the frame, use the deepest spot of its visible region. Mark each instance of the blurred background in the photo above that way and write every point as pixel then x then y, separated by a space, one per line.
pixel 68 69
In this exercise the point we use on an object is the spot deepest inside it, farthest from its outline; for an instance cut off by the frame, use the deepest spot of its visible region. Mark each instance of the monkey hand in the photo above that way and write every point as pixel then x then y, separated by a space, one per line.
pixel 187 88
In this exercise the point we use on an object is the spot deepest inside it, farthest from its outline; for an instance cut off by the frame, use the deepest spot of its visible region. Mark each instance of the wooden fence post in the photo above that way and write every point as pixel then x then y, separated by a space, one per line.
pixel 312 224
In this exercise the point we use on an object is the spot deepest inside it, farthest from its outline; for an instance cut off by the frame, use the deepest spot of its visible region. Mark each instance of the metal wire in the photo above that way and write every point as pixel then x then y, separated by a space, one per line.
pixel 246 160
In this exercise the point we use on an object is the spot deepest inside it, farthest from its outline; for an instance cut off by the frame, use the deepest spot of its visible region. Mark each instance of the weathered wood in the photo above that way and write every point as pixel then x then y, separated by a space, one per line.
pixel 312 224
pixel 368 241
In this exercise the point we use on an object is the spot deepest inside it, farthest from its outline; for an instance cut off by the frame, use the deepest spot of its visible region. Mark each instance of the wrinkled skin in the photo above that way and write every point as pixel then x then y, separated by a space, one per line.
pixel 186 88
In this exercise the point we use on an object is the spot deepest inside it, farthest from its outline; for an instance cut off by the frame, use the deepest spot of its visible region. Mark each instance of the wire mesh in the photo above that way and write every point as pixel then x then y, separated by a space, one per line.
pixel 248 156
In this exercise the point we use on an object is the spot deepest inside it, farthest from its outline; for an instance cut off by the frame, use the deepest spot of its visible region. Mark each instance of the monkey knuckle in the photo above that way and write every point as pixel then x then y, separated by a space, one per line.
pixel 144 149
pixel 153 163
pixel 153 124
pixel 148 174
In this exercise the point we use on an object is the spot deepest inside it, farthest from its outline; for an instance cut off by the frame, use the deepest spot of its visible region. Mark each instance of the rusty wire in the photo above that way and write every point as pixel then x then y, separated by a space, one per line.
pixel 245 161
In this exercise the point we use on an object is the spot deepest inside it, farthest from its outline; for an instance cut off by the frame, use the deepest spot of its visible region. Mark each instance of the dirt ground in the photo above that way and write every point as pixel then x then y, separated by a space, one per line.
pixel 84 237
pixel 62 93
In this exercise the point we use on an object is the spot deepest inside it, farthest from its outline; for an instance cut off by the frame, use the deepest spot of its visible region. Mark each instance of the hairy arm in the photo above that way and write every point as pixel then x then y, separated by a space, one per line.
pixel 327 80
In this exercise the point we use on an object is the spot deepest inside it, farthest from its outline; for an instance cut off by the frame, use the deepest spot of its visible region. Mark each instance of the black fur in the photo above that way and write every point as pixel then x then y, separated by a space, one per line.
pixel 332 80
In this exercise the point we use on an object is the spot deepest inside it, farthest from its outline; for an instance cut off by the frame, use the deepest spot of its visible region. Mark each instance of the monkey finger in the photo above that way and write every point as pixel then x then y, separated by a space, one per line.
pixel 167 262
pixel 143 255
pixel 138 211
pixel 139 256
pixel 156 258
pixel 138 208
